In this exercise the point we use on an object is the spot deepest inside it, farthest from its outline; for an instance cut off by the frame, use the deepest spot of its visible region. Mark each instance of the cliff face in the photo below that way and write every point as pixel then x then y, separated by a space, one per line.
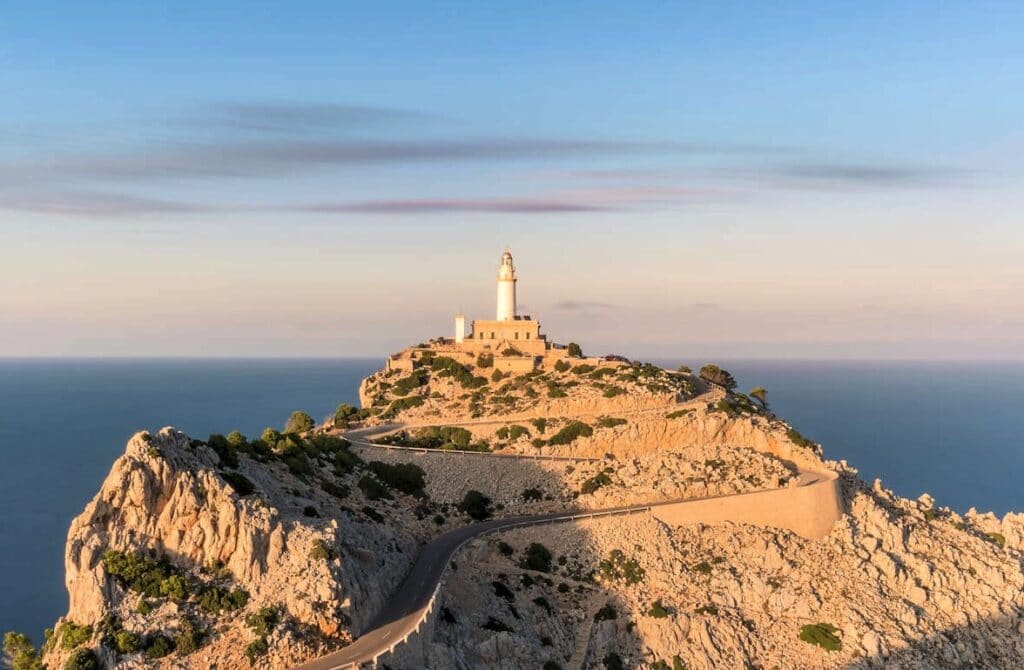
pixel 167 498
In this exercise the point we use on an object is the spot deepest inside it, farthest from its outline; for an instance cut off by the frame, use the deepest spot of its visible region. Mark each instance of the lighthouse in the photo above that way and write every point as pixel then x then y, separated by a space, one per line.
pixel 506 289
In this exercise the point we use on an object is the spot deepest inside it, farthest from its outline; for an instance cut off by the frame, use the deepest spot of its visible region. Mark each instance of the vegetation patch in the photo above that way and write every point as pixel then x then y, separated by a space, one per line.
pixel 657 610
pixel 476 505
pixel 532 495
pixel 83 659
pixel 678 414
pixel 299 422
pixel 214 599
pixel 606 613
pixel 711 610
pixel 799 440
pixel 536 557
pixel 570 432
pixel 322 551
pixel 406 385
pixel 611 422
pixel 822 634
pixel 594 483
pixel 619 567
pixel 401 405
pixel 997 539
pixel 373 489
pixel 496 625
pixel 239 482
pixel 408 478
pixel 71 635
pixel 449 367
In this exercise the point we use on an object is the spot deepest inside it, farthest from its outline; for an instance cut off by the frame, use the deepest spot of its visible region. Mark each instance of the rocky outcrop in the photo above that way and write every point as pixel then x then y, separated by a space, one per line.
pixel 167 498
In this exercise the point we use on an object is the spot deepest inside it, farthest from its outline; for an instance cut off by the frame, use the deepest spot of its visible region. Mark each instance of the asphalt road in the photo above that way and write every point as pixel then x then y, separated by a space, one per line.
pixel 405 609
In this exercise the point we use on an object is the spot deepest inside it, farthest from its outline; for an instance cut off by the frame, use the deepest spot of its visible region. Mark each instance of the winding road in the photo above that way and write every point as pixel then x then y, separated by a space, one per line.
pixel 409 606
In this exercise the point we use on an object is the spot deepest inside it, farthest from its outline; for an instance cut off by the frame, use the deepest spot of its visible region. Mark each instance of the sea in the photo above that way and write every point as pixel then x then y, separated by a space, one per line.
pixel 952 429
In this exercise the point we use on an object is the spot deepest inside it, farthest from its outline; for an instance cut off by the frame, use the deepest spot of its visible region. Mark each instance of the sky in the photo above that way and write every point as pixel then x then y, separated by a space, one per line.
pixel 732 179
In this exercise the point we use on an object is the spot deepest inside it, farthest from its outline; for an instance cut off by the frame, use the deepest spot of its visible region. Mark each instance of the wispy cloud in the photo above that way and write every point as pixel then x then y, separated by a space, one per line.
pixel 444 205
pixel 93 204
pixel 307 117
pixel 838 175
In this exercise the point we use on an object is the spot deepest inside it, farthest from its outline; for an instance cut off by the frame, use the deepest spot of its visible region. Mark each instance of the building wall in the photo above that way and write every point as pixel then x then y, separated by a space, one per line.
pixel 515 364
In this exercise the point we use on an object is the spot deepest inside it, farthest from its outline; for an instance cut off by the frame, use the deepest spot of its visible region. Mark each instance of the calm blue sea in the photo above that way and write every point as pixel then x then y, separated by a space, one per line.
pixel 952 429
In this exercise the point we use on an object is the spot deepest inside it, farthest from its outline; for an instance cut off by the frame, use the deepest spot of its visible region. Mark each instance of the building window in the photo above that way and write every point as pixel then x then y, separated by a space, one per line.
pixel 527 336
pixel 492 334
pixel 517 334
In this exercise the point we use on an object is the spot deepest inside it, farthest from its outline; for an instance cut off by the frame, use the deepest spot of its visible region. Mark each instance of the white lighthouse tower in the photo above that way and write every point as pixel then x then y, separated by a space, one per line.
pixel 506 289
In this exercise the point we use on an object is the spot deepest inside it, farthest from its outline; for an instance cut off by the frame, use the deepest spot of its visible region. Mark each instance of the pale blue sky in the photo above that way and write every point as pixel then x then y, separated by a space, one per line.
pixel 705 179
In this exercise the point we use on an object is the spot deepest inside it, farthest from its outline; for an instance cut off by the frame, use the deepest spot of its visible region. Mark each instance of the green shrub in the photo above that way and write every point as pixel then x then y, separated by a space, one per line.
pixel 449 367
pixel 176 587
pixel 188 639
pixel 344 415
pixel 703 568
pixel 497 376
pixel 262 622
pixel 72 635
pixel 226 452
pixel 158 646
pixel 594 483
pixel 570 432
pixel 485 360
pixel 711 610
pixel 144 607
pixel 997 539
pixel 322 551
pixel 20 653
pixel 402 404
pixel 476 505
pixel 556 392
pixel 256 649
pixel 239 482
pixel 511 351
pixel 532 495
pixel 574 350
pixel 127 642
pixel 540 424
pixel 678 414
pixel 505 549
pixel 606 613
pixel 613 391
pixel 563 366
pixel 716 375
pixel 536 557
pixel 657 610
pixel 372 489
pixel 618 567
pixel 538 443
pixel 407 384
pixel 677 663
pixel 583 369
pixel 214 599
pixel 610 422
pixel 821 634
pixel 502 591
pixel 299 422
pixel 551 665
pixel 83 659
pixel 799 440
pixel 408 478
pixel 310 512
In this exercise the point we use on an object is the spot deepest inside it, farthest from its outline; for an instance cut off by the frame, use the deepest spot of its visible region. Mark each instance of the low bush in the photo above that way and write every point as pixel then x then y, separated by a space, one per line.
pixel 503 591
pixel 83 659
pixel 299 422
pixel 239 482
pixel 997 539
pixel 583 369
pixel 476 505
pixel 613 661
pixel 406 385
pixel 574 350
pixel 344 415
pixel 311 512
pixel 532 495
pixel 610 422
pixel 225 450
pixel 497 376
pixel 551 665
pixel 570 432
pixel 613 391
pixel 606 613
pixel 540 424
pixel 188 639
pixel 594 483
pixel 678 414
pixel 158 646
pixel 536 557
pixel 20 653
pixel 214 599
pixel 821 634
pixel 505 549
pixel 563 366
pixel 799 440
pixel 336 490
pixel 618 567
pixel 373 489
pixel 262 622
pixel 408 478
pixel 542 602
pixel 400 405
pixel 256 649
pixel 711 610
pixel 657 610
pixel 485 360
pixel 72 635
pixel 139 573
pixel 449 367
pixel 127 642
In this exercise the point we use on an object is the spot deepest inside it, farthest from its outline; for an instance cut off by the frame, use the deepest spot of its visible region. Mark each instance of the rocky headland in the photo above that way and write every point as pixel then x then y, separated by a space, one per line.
pixel 271 551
